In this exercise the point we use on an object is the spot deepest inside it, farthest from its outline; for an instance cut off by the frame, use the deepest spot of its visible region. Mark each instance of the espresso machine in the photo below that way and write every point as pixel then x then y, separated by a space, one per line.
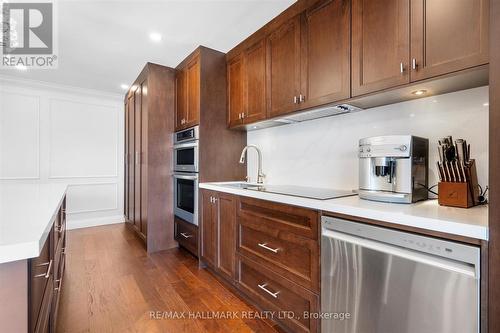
pixel 394 168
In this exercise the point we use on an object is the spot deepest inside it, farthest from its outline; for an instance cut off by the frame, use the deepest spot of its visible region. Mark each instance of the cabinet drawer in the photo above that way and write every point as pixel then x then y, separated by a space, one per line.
pixel 298 220
pixel 292 256
pixel 187 235
pixel 41 271
pixel 272 292
pixel 43 322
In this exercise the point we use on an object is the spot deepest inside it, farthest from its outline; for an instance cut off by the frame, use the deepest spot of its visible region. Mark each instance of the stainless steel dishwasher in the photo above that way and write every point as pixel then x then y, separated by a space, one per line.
pixel 377 280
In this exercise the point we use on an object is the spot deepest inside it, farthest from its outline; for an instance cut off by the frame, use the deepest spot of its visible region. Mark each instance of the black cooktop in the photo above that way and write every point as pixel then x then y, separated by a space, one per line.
pixel 305 192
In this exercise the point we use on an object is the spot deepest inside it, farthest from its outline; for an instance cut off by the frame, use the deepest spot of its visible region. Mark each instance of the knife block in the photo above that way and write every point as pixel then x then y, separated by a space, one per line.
pixel 455 195
pixel 460 194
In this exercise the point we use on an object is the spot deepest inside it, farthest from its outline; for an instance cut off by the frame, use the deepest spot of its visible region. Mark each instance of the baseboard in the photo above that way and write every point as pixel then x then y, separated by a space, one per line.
pixel 85 223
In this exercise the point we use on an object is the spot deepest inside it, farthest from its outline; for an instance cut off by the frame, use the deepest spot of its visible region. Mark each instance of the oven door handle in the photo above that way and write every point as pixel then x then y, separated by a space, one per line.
pixel 186 177
pixel 186 145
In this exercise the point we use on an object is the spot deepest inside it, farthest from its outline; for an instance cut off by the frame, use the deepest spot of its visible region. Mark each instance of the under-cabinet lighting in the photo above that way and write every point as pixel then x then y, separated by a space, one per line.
pixel 419 92
pixel 124 86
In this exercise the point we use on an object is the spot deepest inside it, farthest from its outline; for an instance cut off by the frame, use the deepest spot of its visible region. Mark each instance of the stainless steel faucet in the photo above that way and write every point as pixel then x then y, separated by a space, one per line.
pixel 260 175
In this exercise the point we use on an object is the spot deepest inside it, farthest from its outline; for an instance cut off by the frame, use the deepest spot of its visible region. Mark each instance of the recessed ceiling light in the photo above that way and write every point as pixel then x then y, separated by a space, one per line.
pixel 155 36
pixel 124 86
pixel 486 104
pixel 419 92
pixel 21 67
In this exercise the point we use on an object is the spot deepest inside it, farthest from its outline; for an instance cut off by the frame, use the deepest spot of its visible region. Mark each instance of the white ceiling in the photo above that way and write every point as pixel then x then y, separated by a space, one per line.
pixel 103 44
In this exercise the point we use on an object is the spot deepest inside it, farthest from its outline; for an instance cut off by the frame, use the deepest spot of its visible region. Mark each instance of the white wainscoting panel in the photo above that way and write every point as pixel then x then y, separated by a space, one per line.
pixel 19 136
pixel 56 134
pixel 84 198
pixel 83 140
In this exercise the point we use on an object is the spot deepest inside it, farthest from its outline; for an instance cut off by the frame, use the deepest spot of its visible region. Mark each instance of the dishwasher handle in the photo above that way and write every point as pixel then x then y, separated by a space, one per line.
pixel 450 265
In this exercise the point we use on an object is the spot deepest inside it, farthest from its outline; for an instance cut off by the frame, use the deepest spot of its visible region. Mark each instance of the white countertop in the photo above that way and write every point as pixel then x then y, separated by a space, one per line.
pixel 472 222
pixel 26 213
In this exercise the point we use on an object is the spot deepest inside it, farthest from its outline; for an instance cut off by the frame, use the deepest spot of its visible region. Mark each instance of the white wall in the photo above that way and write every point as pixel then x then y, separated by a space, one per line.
pixel 323 152
pixel 58 134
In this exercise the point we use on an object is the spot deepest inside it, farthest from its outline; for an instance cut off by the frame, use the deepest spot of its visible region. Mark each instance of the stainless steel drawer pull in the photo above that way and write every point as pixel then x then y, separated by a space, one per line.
pixel 263 287
pixel 47 274
pixel 58 285
pixel 186 235
pixel 264 246
pixel 401 68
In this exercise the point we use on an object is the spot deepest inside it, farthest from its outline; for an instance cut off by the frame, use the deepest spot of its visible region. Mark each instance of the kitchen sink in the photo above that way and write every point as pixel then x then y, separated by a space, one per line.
pixel 243 186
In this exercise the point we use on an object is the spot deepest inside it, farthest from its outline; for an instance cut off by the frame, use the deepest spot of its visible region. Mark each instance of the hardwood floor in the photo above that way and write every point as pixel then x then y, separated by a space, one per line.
pixel 112 285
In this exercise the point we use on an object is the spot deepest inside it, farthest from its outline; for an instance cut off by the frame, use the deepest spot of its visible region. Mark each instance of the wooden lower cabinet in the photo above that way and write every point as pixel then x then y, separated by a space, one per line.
pixel 269 251
pixel 186 234
pixel 271 292
pixel 46 274
pixel 218 228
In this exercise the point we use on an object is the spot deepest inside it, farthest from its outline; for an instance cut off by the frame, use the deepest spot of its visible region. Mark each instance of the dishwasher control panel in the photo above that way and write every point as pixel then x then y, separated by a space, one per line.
pixel 446 249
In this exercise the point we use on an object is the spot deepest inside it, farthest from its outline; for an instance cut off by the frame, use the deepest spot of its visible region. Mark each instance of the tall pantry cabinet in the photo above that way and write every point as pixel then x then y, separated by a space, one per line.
pixel 149 124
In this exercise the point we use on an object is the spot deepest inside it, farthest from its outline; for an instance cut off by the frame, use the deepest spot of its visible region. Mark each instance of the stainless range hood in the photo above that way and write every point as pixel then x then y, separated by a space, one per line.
pixel 326 111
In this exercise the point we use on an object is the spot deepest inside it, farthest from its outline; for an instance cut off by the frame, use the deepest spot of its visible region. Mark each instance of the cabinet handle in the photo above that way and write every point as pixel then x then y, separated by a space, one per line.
pixel 136 158
pixel 239 115
pixel 183 234
pixel 414 64
pixel 264 246
pixel 401 67
pixel 58 284
pixel 243 115
pixel 295 100
pixel 263 287
pixel 47 274
pixel 302 98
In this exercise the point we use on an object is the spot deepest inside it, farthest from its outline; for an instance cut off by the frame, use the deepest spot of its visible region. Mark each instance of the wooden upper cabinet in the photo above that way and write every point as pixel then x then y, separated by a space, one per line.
pixel 447 36
pixel 326 68
pixel 193 92
pixel 236 90
pixel 180 98
pixel 246 74
pixel 283 68
pixel 187 85
pixel 255 83
pixel 380 44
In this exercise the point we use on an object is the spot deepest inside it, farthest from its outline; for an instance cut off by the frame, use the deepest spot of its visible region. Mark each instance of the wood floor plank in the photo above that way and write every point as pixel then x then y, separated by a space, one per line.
pixel 112 285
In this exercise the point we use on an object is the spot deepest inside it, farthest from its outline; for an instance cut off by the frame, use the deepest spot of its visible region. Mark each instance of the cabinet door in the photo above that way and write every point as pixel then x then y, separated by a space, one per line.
pixel 380 45
pixel 236 90
pixel 208 228
pixel 180 99
pixel 447 36
pixel 226 235
pixel 255 82
pixel 131 155
pixel 193 93
pixel 126 164
pixel 144 157
pixel 137 158
pixel 283 50
pixel 326 69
